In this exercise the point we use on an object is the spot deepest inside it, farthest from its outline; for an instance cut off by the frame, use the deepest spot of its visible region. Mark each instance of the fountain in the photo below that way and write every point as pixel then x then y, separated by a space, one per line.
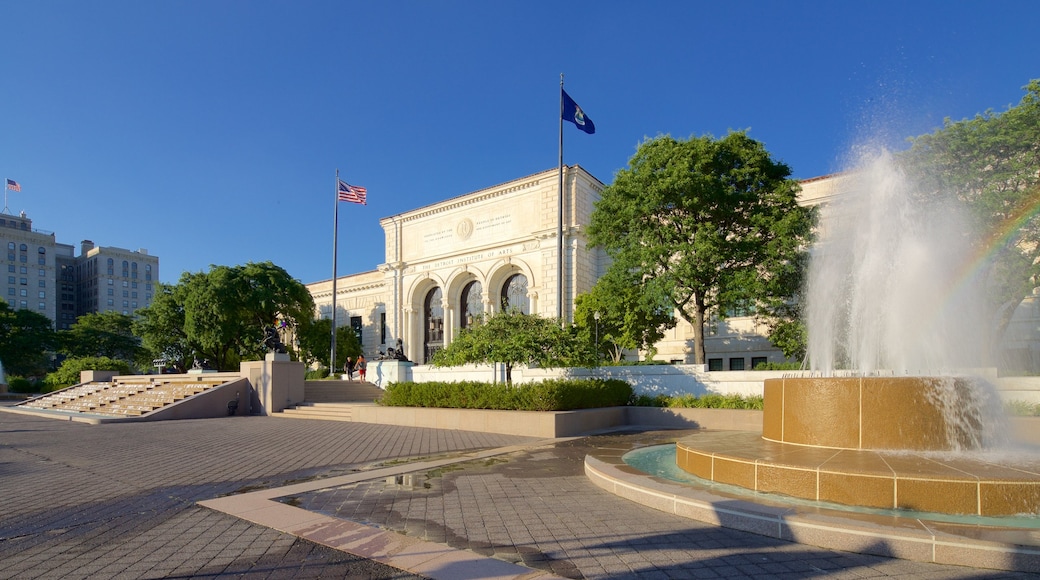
pixel 895 295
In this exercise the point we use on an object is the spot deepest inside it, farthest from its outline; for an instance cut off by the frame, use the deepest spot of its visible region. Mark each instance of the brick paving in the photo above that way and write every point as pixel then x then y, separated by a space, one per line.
pixel 119 501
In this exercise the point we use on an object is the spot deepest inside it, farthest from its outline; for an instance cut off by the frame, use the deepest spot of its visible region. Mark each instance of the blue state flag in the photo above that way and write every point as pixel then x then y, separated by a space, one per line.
pixel 573 113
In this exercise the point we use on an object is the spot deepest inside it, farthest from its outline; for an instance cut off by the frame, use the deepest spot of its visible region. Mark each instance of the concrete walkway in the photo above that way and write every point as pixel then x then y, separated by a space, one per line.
pixel 123 501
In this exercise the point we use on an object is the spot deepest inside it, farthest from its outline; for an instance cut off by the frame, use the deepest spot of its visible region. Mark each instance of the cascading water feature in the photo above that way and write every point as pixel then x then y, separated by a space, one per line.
pixel 890 415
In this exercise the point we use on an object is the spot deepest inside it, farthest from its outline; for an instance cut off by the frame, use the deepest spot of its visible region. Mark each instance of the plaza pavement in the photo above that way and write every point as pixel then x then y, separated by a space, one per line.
pixel 123 501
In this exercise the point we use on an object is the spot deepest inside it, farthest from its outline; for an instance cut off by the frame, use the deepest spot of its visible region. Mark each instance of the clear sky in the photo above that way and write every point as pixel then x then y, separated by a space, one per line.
pixel 210 131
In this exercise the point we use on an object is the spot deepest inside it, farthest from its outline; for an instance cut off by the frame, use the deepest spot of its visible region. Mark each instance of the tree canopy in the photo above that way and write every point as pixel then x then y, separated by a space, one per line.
pixel 513 338
pixel 715 223
pixel 105 334
pixel 26 337
pixel 991 165
pixel 315 341
pixel 220 315
pixel 632 316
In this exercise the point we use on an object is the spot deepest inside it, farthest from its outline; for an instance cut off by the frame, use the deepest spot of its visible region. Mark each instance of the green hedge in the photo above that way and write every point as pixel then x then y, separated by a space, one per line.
pixel 549 395
pixel 709 401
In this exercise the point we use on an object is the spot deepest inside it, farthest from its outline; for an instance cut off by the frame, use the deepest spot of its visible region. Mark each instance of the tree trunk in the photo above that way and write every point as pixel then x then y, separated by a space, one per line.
pixel 698 330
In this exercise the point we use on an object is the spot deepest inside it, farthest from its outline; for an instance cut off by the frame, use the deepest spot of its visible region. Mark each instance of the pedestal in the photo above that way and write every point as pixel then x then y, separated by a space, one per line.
pixel 277 383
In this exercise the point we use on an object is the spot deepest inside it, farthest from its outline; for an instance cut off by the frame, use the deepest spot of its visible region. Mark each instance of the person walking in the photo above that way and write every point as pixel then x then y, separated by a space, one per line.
pixel 348 368
pixel 362 366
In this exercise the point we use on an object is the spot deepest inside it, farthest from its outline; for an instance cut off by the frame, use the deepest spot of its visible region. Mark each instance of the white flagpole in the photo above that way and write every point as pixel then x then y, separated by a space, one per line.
pixel 559 217
pixel 335 239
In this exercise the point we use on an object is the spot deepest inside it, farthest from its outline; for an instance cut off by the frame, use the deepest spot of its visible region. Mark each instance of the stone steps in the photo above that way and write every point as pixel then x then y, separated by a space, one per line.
pixel 324 411
pixel 341 392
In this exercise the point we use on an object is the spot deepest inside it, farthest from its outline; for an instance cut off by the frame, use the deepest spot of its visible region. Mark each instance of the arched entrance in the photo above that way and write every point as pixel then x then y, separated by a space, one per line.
pixel 514 295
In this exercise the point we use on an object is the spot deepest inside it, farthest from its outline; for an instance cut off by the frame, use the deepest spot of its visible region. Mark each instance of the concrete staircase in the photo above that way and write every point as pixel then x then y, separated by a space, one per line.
pixel 332 400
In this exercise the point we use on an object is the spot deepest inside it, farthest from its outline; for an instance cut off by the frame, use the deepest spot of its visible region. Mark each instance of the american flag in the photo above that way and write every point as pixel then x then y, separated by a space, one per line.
pixel 352 193
pixel 13 185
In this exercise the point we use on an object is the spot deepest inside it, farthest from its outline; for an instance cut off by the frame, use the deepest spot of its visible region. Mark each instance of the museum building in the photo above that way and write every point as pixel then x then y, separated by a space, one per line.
pixel 514 245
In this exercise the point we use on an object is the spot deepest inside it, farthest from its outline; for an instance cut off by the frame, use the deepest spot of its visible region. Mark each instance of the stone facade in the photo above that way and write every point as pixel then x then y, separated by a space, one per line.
pixel 452 260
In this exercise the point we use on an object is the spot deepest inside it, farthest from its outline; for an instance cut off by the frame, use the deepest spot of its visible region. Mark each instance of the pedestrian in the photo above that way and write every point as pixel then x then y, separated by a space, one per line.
pixel 348 368
pixel 362 366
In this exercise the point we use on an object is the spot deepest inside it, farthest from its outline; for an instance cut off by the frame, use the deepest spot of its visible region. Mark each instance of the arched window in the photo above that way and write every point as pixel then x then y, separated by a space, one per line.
pixel 514 294
pixel 433 324
pixel 472 304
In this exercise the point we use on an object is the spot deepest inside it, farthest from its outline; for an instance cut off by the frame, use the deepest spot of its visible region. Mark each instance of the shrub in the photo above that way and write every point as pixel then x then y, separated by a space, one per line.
pixel 1022 409
pixel 68 373
pixel 550 395
pixel 316 374
pixel 22 385
pixel 708 401
pixel 778 366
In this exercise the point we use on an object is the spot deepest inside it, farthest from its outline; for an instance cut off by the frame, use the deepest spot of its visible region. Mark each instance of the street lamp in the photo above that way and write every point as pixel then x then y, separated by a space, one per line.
pixel 596 316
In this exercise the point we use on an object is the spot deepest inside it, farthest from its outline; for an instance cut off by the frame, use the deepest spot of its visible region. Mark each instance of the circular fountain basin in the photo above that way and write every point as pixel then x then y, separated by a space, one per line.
pixel 880 442
pixel 896 413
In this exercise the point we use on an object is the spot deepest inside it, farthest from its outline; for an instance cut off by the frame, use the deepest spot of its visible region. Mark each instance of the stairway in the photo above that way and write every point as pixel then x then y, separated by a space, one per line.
pixel 332 400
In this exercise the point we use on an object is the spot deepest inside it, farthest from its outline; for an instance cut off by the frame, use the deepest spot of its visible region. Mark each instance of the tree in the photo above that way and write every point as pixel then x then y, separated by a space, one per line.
pixel 105 334
pixel 315 340
pixel 715 223
pixel 161 329
pixel 991 165
pixel 26 338
pixel 68 373
pixel 221 315
pixel 631 316
pixel 513 338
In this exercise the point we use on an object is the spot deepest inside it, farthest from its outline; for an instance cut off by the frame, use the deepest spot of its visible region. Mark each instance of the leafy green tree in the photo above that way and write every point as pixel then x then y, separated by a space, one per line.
pixel 991 164
pixel 315 342
pixel 26 338
pixel 714 222
pixel 68 373
pixel 220 315
pixel 105 334
pixel 631 316
pixel 512 338
pixel 161 329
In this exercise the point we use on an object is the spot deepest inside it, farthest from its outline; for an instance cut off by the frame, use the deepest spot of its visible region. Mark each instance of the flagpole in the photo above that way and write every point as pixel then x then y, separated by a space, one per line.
pixel 335 245
pixel 559 217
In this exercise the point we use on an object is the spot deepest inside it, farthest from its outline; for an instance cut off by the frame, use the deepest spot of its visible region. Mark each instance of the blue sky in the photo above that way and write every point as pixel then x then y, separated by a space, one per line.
pixel 209 132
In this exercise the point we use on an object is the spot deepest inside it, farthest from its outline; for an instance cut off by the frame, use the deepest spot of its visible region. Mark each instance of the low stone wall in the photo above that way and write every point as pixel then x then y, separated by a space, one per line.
pixel 559 423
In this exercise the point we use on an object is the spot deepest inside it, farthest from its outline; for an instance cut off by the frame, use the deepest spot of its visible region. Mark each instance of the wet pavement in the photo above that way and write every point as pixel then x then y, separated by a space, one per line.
pixel 120 501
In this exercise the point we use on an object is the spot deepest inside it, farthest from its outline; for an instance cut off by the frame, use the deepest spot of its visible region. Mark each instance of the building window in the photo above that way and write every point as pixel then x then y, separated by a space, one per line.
pixel 23 281
pixel 23 292
pixel 433 323
pixel 472 304
pixel 126 293
pixel 714 364
pixel 23 270
pixel 23 304
pixel 43 294
pixel 10 268
pixel 110 282
pixel 23 248
pixel 43 306
pixel 10 279
pixel 42 250
pixel 10 292
pixel 758 360
pixel 111 292
pixel 23 259
pixel 736 364
pixel 514 294
pixel 133 304
pixel 42 272
pixel 382 328
pixel 42 261
pixel 10 245
pixel 111 302
pixel 43 283
pixel 355 324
